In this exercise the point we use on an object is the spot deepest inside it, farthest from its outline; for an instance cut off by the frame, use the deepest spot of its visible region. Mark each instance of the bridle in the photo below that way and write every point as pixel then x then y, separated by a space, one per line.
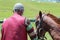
pixel 40 27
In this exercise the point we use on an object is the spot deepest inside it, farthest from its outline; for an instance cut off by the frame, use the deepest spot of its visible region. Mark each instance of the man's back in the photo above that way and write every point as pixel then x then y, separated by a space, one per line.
pixel 14 28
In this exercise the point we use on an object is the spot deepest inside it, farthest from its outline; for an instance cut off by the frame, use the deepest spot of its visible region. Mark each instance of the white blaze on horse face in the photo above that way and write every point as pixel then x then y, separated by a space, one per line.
pixel 50 21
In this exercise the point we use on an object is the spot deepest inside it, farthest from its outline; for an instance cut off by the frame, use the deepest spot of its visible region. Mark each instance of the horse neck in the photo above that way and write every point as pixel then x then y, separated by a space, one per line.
pixel 55 29
pixel 52 21
pixel 57 20
pixel 54 33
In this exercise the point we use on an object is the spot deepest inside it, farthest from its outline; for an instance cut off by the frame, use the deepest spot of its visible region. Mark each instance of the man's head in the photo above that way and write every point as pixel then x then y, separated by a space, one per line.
pixel 19 8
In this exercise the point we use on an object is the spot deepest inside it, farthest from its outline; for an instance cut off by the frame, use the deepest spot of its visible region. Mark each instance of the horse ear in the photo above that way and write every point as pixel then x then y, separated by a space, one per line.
pixel 40 14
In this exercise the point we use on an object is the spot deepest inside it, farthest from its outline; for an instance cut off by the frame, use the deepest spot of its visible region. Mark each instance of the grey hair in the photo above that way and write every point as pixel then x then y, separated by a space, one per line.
pixel 18 6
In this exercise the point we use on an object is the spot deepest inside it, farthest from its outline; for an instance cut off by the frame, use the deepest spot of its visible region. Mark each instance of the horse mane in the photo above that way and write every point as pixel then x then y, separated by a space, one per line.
pixel 57 20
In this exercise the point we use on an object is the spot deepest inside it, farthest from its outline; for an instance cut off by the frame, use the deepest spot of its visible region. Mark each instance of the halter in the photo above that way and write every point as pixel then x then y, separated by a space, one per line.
pixel 40 27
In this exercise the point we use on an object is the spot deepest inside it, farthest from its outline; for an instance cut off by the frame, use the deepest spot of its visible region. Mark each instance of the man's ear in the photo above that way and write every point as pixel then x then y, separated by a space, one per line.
pixel 40 14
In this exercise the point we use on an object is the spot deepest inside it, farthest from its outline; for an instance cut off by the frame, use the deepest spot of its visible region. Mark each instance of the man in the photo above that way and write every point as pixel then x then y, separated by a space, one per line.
pixel 17 26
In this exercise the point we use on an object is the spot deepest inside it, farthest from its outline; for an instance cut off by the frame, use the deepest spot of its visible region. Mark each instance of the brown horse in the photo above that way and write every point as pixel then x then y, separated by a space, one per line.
pixel 49 23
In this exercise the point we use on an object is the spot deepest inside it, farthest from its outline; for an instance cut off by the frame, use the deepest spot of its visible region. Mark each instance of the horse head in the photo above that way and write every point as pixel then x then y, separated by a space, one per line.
pixel 46 23
pixel 41 26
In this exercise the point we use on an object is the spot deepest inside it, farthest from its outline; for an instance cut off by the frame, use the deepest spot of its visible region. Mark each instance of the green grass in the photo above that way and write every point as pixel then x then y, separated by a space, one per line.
pixel 31 9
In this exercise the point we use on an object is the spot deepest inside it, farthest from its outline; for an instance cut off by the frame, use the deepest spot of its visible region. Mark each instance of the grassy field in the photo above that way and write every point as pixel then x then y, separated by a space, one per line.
pixel 31 9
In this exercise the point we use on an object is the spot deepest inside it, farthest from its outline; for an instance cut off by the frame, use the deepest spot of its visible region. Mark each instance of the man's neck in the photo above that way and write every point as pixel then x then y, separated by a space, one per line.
pixel 18 13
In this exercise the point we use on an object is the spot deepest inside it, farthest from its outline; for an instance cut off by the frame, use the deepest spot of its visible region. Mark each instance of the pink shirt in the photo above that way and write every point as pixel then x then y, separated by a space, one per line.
pixel 14 28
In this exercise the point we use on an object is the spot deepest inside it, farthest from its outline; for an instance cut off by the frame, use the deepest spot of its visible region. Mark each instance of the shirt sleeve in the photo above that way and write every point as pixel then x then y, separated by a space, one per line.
pixel 30 30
